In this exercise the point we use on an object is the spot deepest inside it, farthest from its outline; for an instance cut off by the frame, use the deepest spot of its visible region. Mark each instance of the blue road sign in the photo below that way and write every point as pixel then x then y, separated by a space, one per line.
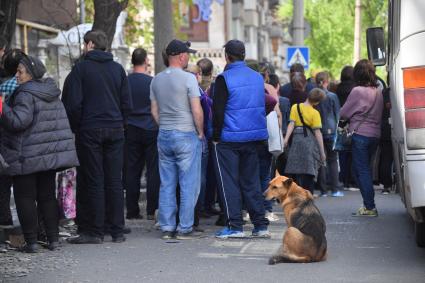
pixel 298 54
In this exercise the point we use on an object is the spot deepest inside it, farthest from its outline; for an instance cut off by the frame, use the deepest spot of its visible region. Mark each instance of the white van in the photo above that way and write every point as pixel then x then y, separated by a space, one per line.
pixel 405 60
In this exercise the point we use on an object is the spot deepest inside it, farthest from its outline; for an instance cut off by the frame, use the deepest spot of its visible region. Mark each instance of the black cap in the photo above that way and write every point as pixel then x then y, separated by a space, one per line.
pixel 175 47
pixel 235 47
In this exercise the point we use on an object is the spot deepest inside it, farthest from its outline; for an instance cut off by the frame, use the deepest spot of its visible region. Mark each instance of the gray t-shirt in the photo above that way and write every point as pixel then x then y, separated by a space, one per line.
pixel 172 90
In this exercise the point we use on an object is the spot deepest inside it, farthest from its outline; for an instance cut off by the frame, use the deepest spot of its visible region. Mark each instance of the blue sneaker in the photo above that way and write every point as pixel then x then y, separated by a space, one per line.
pixel 229 233
pixel 263 233
pixel 338 194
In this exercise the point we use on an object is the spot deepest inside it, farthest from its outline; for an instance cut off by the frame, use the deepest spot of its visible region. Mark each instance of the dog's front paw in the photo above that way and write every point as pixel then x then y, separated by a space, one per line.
pixel 272 261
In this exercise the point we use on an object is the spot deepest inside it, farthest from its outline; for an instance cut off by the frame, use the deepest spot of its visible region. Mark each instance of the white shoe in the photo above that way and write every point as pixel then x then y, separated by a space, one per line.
pixel 271 216
pixel 245 216
pixel 265 234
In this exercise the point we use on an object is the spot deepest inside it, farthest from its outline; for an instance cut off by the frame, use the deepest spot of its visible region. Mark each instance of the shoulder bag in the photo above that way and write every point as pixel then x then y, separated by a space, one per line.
pixel 344 136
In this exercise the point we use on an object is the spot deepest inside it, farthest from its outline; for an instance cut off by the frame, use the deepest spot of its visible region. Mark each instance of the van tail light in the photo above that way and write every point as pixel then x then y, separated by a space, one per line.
pixel 415 119
pixel 414 103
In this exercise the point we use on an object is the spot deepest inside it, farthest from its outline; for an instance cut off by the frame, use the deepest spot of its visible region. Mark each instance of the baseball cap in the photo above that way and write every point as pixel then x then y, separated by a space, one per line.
pixel 235 47
pixel 176 47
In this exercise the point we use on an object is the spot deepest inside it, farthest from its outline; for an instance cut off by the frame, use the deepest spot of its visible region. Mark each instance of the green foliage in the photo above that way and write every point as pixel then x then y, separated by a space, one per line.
pixel 331 40
pixel 89 5
pixel 138 26
pixel 177 19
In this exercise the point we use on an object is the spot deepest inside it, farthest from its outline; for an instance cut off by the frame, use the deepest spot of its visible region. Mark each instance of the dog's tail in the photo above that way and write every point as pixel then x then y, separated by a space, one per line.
pixel 322 253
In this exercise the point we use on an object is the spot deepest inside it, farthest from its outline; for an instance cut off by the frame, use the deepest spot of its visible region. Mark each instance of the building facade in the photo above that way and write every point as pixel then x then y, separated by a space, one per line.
pixel 210 26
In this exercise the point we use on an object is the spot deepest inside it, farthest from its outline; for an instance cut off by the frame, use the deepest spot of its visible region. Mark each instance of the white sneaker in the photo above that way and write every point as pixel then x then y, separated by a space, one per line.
pixel 261 234
pixel 245 216
pixel 271 216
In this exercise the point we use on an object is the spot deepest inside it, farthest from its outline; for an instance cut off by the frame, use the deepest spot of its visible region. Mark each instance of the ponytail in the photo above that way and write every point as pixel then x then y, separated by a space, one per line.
pixel 321 78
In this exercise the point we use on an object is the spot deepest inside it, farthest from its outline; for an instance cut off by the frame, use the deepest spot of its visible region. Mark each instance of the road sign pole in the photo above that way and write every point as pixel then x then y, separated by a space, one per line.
pixel 298 26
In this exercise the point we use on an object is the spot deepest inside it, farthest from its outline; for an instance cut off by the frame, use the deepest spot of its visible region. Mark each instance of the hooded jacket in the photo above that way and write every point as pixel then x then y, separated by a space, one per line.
pixel 96 93
pixel 37 136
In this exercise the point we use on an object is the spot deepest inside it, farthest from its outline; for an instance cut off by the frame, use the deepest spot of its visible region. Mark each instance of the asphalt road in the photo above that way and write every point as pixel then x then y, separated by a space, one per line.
pixel 360 250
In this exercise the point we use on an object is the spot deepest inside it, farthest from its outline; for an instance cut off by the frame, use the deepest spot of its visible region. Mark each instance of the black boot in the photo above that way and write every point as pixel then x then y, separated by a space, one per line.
pixel 30 248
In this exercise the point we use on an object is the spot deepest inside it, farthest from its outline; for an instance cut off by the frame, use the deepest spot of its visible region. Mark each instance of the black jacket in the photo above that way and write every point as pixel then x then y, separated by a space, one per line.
pixel 36 132
pixel 343 90
pixel 96 93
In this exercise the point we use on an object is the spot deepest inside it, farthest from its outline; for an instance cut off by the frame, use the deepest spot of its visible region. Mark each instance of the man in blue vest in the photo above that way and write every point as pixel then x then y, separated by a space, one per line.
pixel 239 123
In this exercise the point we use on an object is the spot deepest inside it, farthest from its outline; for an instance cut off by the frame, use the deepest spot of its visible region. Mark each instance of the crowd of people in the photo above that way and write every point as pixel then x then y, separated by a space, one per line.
pixel 201 140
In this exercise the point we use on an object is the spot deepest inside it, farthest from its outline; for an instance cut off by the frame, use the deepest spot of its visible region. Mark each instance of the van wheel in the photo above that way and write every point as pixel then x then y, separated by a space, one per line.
pixel 420 234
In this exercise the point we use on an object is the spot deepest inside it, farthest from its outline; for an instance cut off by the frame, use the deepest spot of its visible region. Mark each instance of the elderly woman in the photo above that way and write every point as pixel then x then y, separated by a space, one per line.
pixel 37 142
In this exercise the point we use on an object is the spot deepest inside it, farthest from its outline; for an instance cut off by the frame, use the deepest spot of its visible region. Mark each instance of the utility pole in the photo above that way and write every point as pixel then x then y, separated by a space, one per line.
pixel 82 11
pixel 298 23
pixel 357 31
pixel 228 25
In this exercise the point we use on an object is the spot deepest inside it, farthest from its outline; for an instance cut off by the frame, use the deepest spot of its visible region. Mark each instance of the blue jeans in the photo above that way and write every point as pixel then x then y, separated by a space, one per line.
pixel 179 162
pixel 363 149
pixel 204 163
pixel 265 161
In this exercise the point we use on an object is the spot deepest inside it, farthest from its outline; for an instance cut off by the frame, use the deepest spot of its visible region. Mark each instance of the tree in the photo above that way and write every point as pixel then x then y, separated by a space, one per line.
pixel 163 28
pixel 332 34
pixel 8 10
pixel 139 27
pixel 106 13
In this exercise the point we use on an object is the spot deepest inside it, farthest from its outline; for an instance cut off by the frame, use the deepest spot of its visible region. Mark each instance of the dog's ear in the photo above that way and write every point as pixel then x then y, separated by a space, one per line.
pixel 277 173
pixel 288 182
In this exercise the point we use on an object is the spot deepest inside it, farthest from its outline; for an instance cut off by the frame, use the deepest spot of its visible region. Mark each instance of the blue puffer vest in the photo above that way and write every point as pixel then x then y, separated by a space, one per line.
pixel 245 114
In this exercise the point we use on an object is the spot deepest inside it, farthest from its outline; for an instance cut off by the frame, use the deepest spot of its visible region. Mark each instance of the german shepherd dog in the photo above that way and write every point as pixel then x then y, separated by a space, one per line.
pixel 304 241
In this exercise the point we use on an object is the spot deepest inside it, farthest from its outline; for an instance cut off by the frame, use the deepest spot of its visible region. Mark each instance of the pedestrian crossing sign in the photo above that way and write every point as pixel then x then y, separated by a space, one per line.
pixel 298 54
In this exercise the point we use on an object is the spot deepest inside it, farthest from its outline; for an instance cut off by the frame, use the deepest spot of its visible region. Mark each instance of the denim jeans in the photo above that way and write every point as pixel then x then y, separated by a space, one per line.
pixel 363 149
pixel 204 164
pixel 141 150
pixel 100 152
pixel 200 204
pixel 179 162
pixel 265 161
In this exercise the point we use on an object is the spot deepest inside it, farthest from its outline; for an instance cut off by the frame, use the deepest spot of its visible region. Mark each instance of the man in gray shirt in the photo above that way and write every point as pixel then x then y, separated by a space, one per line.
pixel 176 107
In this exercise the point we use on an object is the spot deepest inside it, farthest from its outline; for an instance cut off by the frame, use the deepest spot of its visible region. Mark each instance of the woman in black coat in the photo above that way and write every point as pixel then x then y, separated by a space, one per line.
pixel 343 90
pixel 37 142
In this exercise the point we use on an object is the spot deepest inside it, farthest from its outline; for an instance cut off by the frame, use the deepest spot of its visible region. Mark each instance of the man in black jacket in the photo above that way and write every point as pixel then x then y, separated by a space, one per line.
pixel 97 99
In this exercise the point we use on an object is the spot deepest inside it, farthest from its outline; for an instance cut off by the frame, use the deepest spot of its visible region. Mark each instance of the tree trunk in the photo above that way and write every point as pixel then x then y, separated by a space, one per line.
pixel 357 31
pixel 163 29
pixel 106 13
pixel 8 10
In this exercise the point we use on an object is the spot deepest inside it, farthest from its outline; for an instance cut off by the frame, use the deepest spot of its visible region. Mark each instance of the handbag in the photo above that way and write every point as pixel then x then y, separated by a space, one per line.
pixel 275 141
pixel 343 137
